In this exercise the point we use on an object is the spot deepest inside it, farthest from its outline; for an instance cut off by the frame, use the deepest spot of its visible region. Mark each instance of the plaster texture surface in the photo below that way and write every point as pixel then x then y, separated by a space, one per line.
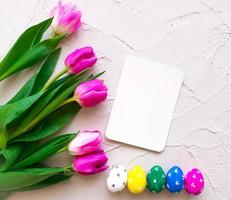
pixel 193 35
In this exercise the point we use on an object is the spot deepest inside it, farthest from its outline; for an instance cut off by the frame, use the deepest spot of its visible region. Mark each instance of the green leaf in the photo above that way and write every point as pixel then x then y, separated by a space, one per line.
pixel 51 124
pixel 29 147
pixel 37 108
pixel 60 81
pixel 55 98
pixel 15 180
pixel 94 76
pixel 68 80
pixel 3 138
pixel 28 39
pixel 9 114
pixel 44 26
pixel 32 56
pixel 48 182
pixel 4 195
pixel 39 78
pixel 54 104
pixel 10 155
pixel 45 150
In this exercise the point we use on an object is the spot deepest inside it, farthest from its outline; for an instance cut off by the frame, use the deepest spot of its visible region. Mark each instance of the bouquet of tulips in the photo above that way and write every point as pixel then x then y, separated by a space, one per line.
pixel 46 104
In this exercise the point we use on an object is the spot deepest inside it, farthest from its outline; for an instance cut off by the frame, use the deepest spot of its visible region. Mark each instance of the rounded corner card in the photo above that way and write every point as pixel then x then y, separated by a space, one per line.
pixel 144 104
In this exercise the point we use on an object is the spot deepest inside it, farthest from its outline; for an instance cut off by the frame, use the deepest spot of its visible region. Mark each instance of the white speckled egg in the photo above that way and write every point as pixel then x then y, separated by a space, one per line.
pixel 117 178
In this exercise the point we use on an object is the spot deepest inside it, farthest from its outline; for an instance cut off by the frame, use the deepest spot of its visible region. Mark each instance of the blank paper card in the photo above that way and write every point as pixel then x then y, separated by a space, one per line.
pixel 144 104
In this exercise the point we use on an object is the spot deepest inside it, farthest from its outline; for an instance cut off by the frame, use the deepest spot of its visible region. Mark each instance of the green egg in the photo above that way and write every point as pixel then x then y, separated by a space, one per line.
pixel 156 179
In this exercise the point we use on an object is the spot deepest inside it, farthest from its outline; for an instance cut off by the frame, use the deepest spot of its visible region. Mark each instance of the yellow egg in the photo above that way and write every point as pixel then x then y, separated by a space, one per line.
pixel 136 181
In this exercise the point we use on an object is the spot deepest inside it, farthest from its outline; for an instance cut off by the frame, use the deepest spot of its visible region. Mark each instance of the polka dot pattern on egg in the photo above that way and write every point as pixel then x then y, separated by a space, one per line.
pixel 117 178
pixel 194 182
pixel 156 179
pixel 175 180
pixel 136 180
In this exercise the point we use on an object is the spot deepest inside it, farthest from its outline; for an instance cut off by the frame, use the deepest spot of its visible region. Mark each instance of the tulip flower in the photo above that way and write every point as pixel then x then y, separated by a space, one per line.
pixel 80 59
pixel 66 18
pixel 91 93
pixel 76 62
pixel 85 142
pixel 90 163
pixel 88 93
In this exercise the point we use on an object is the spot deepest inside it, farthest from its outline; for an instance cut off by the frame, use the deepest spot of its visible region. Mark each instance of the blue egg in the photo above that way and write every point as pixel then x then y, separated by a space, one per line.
pixel 175 180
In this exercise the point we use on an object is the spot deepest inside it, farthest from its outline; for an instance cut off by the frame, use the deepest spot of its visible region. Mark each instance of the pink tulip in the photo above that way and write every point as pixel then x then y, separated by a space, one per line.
pixel 91 93
pixel 90 163
pixel 80 59
pixel 66 18
pixel 85 142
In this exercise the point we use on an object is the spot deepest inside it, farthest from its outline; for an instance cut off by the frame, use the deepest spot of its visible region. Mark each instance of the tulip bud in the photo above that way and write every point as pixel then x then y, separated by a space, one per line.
pixel 85 142
pixel 90 163
pixel 91 93
pixel 66 18
pixel 80 59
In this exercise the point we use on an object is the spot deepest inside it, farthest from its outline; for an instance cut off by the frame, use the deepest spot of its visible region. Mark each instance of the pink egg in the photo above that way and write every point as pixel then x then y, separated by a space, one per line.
pixel 194 182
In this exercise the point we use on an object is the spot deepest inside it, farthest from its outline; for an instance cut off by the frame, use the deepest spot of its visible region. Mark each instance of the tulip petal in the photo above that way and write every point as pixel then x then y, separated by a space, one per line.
pixel 80 59
pixel 95 84
pixel 91 163
pixel 85 142
pixel 93 98
pixel 83 64
pixel 91 93
pixel 66 18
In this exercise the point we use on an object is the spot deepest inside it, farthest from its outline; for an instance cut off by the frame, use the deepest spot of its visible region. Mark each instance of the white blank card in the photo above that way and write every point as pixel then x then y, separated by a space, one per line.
pixel 144 103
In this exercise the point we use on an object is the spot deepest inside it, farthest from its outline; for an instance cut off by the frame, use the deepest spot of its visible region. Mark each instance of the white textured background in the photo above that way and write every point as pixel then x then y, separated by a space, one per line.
pixel 192 35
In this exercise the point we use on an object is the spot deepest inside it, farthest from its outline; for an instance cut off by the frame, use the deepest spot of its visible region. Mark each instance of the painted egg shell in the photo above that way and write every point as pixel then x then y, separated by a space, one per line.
pixel 156 179
pixel 136 180
pixel 117 178
pixel 175 179
pixel 194 182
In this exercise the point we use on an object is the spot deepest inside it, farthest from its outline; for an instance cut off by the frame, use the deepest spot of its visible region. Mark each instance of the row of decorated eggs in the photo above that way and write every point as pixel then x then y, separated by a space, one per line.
pixel 156 180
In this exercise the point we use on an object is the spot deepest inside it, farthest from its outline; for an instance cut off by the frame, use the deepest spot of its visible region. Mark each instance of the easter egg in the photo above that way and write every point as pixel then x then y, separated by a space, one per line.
pixel 136 180
pixel 194 182
pixel 175 180
pixel 156 179
pixel 117 178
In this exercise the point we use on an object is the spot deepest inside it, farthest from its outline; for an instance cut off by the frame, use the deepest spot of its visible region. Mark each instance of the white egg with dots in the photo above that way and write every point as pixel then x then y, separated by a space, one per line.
pixel 117 178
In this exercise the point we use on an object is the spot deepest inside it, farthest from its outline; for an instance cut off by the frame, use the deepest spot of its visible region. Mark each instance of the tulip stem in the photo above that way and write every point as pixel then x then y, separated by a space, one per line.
pixel 63 149
pixel 52 80
pixel 53 34
pixel 71 99
pixel 69 167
